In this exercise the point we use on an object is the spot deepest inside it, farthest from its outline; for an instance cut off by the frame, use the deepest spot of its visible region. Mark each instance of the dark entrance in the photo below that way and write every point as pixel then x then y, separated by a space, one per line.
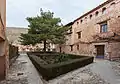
pixel 60 49
pixel 100 51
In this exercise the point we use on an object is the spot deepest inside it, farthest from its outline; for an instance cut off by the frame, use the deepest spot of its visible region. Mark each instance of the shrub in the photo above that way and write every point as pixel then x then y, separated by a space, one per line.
pixel 49 71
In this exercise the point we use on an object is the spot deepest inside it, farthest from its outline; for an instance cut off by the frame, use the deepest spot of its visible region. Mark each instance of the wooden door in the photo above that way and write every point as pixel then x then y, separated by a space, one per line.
pixel 100 51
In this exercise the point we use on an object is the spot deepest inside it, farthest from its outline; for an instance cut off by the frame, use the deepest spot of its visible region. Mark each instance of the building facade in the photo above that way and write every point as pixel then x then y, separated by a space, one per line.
pixel 4 62
pixel 96 33
pixel 13 34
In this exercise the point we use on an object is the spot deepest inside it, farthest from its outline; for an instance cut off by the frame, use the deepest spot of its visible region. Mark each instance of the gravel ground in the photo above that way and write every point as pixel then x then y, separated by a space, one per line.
pixel 99 72
pixel 16 75
pixel 22 72
pixel 116 67
pixel 79 76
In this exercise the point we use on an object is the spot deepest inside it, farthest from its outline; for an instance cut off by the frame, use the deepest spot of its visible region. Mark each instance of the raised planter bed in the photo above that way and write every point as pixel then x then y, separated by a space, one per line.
pixel 51 66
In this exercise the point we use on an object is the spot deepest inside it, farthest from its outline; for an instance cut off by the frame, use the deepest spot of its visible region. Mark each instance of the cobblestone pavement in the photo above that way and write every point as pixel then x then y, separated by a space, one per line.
pixel 79 76
pixel 99 72
pixel 22 72
pixel 116 67
pixel 107 70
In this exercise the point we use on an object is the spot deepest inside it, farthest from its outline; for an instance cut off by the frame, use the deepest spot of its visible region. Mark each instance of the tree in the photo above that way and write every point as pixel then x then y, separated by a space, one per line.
pixel 44 28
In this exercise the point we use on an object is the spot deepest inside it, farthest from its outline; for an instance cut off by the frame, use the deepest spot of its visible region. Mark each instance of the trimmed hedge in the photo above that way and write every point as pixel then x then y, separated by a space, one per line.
pixel 51 71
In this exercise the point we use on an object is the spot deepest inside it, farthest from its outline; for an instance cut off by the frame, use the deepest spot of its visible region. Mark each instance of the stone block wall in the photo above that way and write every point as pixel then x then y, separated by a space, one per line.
pixel 89 25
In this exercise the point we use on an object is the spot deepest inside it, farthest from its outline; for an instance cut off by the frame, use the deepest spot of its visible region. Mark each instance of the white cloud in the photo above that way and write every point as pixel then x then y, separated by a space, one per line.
pixel 67 10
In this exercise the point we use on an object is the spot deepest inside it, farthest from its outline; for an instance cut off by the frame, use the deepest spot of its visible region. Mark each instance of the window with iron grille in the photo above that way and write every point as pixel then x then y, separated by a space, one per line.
pixel 79 34
pixel 104 27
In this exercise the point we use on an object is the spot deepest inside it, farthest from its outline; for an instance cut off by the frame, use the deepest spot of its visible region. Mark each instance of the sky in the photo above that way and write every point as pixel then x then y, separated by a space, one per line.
pixel 67 10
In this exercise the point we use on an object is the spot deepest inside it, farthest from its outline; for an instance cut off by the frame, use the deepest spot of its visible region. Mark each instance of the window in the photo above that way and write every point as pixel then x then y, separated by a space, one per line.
pixel 113 3
pixel 70 30
pixel 71 47
pixel 85 17
pixel 78 47
pixel 81 21
pixel 60 49
pixel 96 13
pixel 104 10
pixel 77 23
pixel 104 27
pixel 79 34
pixel 90 16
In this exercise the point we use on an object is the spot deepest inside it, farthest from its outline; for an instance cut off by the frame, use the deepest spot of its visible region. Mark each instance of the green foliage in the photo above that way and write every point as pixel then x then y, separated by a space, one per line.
pixel 62 58
pixel 44 28
pixel 50 71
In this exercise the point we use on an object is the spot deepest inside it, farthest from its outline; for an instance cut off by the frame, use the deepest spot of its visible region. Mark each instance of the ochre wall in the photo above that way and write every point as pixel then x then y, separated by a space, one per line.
pixel 90 27
pixel 4 63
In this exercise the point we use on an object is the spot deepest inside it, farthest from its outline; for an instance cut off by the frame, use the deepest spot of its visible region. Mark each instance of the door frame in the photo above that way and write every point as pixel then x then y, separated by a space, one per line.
pixel 99 52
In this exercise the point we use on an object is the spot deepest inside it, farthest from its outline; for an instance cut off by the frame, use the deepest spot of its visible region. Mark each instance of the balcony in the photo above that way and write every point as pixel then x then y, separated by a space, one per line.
pixel 104 36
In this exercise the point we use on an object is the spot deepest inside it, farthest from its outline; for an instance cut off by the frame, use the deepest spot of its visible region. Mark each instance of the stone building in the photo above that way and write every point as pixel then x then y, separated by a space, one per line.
pixel 4 62
pixel 13 34
pixel 96 33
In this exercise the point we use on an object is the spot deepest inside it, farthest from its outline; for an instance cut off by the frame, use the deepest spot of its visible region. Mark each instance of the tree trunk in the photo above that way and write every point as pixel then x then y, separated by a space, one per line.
pixel 44 49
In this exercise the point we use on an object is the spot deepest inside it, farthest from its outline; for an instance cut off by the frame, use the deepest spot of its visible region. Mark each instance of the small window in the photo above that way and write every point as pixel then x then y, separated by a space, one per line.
pixel 113 3
pixel 60 49
pixel 104 27
pixel 77 22
pixel 96 13
pixel 79 34
pixel 81 21
pixel 70 29
pixel 90 16
pixel 71 47
pixel 78 47
pixel 85 17
pixel 103 10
